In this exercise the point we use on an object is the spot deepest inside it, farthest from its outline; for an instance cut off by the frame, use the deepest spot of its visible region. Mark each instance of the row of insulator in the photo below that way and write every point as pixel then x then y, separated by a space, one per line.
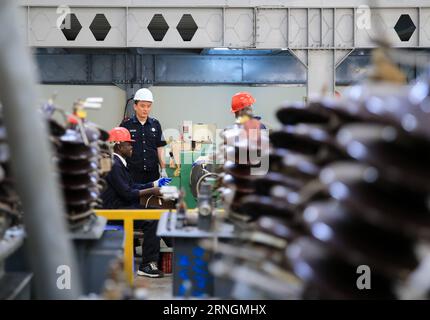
pixel 79 158
pixel 246 202
pixel 240 153
pixel 348 186
pixel 10 204
pixel 350 182
pixel 273 201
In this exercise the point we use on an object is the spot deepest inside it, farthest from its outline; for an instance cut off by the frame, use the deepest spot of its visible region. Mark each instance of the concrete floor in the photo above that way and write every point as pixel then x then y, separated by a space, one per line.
pixel 158 289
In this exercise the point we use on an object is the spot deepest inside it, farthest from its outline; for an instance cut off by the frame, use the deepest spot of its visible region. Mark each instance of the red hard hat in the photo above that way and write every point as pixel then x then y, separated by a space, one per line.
pixel 72 119
pixel 120 134
pixel 241 100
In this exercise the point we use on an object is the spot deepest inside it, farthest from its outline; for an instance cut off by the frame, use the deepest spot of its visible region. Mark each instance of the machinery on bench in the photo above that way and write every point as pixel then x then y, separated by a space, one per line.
pixel 188 156
pixel 188 227
pixel 191 276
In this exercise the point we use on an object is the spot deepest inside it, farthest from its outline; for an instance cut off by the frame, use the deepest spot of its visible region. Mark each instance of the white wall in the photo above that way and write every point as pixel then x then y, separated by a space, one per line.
pixel 173 105
pixel 107 117
pixel 211 104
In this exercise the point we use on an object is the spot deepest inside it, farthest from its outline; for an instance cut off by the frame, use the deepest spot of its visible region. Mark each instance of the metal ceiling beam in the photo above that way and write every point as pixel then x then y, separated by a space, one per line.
pixel 257 27
pixel 317 34
pixel 225 3
pixel 127 68
pixel 109 67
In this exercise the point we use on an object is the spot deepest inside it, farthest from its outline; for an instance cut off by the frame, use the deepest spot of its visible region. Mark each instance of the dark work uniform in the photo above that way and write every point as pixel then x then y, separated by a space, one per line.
pixel 122 193
pixel 262 126
pixel 143 164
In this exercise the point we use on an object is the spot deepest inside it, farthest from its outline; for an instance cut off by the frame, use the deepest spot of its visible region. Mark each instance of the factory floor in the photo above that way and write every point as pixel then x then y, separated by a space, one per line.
pixel 159 288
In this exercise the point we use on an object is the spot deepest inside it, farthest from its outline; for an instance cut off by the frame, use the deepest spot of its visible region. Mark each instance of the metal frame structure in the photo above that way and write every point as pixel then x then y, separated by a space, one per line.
pixel 125 67
pixel 319 35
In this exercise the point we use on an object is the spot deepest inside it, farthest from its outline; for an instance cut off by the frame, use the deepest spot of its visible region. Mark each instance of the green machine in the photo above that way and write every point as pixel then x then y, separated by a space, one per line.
pixel 183 181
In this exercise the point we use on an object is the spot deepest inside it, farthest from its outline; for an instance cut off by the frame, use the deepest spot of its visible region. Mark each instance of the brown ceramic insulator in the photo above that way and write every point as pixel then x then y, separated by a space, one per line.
pixel 296 165
pixel 276 157
pixel 240 184
pixel 235 203
pixel 83 181
pixel 102 184
pixel 312 191
pixel 76 152
pixel 292 114
pixel 72 137
pixel 403 107
pixel 258 206
pixel 77 167
pixel 264 186
pixel 359 241
pixel 279 158
pixel 79 208
pixel 243 153
pixel 278 227
pixel 365 190
pixel 239 170
pixel 328 275
pixel 321 152
pixel 95 131
pixel 80 197
pixel 55 128
pixel 104 135
pixel 80 223
pixel 401 158
pixel 75 217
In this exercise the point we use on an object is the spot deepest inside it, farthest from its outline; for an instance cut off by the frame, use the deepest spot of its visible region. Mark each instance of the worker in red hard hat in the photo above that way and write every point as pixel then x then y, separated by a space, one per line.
pixel 240 101
pixel 242 104
pixel 123 193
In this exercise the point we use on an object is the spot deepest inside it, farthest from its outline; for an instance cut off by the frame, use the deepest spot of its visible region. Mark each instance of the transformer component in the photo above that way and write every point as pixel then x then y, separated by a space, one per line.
pixel 347 190
pixel 10 204
pixel 83 157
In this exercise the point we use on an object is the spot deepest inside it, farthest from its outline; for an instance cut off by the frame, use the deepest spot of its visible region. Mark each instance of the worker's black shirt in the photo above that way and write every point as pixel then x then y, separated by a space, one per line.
pixel 121 192
pixel 262 126
pixel 148 138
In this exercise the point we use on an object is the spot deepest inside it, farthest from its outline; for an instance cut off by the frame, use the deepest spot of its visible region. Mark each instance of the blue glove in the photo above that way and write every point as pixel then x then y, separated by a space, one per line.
pixel 162 182
pixel 163 173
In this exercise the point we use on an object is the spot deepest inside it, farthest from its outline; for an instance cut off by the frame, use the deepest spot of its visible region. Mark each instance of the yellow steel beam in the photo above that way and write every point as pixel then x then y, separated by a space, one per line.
pixel 128 216
pixel 147 214
pixel 128 250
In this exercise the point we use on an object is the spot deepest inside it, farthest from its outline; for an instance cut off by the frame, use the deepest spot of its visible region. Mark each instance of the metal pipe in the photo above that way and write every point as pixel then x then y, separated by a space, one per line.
pixel 50 250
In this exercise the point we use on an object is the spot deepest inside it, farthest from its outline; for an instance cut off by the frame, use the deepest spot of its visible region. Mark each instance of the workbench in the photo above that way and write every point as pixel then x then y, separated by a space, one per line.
pixel 128 217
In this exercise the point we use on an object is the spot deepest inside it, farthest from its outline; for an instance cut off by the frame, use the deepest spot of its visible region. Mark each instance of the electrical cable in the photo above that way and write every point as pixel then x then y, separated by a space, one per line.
pixel 125 108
